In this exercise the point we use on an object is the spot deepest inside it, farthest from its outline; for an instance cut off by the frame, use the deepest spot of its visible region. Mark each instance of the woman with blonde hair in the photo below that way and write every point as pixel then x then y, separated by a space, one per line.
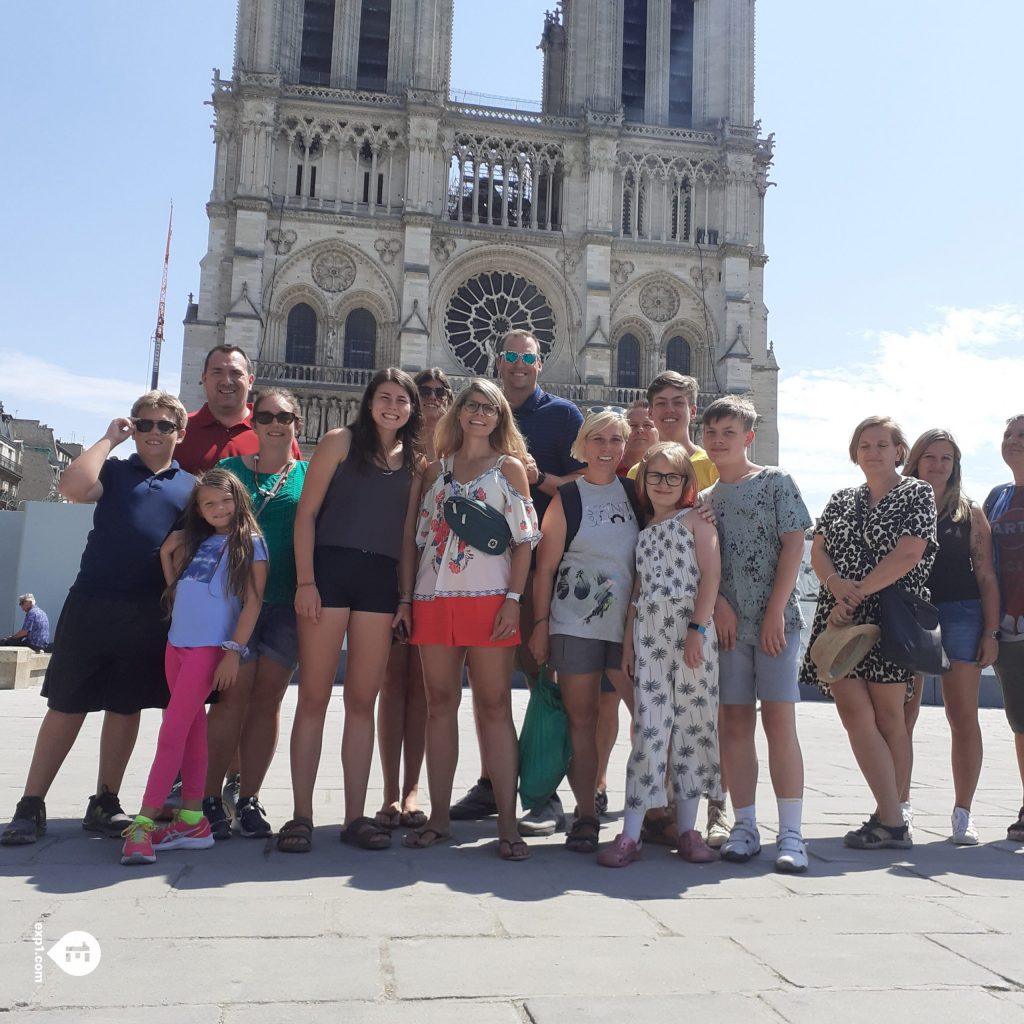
pixel 465 604
pixel 867 538
pixel 581 590
pixel 964 588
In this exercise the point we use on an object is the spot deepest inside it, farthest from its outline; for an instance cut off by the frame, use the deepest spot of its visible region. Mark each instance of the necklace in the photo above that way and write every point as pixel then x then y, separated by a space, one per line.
pixel 269 493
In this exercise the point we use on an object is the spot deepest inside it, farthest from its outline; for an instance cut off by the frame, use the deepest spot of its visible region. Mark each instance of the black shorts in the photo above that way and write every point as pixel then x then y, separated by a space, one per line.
pixel 107 656
pixel 361 581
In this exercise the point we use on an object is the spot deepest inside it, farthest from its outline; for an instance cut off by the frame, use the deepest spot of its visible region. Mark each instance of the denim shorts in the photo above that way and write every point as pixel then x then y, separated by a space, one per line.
pixel 961 625
pixel 275 636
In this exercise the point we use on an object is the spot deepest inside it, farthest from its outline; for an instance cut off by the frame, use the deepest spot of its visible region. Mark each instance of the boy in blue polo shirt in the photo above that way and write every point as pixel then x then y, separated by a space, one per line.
pixel 109 645
pixel 761 518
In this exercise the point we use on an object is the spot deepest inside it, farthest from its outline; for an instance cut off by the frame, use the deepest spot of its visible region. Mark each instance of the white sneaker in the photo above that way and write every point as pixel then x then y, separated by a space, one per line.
pixel 908 818
pixel 791 858
pixel 546 820
pixel 964 832
pixel 743 843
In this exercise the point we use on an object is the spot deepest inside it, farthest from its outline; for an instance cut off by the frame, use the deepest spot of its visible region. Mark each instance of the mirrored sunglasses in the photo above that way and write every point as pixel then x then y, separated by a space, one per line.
pixel 144 426
pixel 527 357
pixel 268 417
pixel 426 391
pixel 606 408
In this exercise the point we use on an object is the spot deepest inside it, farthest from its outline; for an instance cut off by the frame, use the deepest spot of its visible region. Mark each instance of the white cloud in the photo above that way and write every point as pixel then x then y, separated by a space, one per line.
pixel 965 374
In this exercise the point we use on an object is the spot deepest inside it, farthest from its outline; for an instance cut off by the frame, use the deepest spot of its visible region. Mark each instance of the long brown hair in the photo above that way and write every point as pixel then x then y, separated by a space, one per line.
pixel 955 503
pixel 239 545
pixel 366 448
pixel 504 438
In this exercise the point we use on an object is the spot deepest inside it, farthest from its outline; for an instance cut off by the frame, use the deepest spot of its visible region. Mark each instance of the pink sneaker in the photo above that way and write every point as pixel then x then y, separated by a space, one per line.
pixel 693 848
pixel 620 853
pixel 138 844
pixel 180 835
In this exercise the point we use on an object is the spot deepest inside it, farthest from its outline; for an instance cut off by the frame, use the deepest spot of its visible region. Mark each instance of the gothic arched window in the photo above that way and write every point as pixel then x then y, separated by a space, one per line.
pixel 627 370
pixel 360 340
pixel 300 346
pixel 677 356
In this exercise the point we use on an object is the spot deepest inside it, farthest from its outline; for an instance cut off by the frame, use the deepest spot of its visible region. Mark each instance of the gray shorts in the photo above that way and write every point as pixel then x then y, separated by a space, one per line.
pixel 274 636
pixel 577 655
pixel 1009 668
pixel 746 674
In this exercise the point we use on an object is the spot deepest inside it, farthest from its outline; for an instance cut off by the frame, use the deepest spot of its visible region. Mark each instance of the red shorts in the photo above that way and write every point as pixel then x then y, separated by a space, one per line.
pixel 458 622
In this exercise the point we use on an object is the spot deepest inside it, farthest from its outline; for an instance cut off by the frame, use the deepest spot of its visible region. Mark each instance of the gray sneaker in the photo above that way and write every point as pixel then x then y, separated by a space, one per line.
pixel 545 820
pixel 718 825
pixel 477 804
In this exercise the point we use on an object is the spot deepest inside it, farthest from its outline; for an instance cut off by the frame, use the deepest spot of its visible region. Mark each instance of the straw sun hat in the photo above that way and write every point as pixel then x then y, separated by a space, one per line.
pixel 840 649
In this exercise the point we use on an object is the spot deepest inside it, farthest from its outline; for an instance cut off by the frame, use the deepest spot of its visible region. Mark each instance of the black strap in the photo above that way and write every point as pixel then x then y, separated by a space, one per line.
pixel 572 505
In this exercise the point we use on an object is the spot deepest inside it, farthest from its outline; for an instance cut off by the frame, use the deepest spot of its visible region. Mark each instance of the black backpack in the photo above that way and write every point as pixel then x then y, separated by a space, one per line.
pixel 572 506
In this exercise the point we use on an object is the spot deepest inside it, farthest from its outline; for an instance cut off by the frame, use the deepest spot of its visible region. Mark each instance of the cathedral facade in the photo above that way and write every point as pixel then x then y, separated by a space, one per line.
pixel 362 217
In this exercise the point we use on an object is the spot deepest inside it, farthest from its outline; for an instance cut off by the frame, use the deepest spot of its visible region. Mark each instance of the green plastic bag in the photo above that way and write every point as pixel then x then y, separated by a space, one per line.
pixel 544 745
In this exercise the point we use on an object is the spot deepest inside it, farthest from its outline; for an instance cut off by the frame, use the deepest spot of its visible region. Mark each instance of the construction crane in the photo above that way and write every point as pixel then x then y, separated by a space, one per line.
pixel 158 335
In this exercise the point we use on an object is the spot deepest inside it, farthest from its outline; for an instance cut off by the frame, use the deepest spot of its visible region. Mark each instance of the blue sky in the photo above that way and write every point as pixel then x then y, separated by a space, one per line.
pixel 894 230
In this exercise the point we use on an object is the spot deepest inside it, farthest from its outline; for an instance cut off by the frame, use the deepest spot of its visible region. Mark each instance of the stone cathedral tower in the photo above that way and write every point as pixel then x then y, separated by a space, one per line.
pixel 363 216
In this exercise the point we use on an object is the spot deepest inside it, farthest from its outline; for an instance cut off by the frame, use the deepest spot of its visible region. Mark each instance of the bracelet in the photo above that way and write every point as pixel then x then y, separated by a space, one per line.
pixel 405 600
pixel 828 577
pixel 235 648
pixel 298 585
pixel 697 628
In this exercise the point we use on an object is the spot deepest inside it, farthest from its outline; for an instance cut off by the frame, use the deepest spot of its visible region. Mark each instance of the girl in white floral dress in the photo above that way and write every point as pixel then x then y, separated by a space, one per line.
pixel 671 651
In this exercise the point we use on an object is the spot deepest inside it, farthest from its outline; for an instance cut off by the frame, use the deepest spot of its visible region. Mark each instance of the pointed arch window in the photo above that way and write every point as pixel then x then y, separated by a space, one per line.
pixel 360 340
pixel 677 356
pixel 627 363
pixel 300 346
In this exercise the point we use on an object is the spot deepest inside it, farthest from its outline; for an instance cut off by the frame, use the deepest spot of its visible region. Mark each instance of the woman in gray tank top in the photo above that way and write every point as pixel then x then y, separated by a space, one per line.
pixel 581 591
pixel 360 500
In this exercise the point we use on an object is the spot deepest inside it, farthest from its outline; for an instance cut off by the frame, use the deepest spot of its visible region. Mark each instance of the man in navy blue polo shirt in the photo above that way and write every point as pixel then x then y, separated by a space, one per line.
pixel 550 425
pixel 109 645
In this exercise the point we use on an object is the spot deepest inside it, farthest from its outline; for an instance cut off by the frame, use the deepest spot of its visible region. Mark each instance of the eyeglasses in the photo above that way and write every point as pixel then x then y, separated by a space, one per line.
pixel 472 405
pixel 670 479
pixel 426 391
pixel 164 426
pixel 527 357
pixel 268 417
pixel 605 408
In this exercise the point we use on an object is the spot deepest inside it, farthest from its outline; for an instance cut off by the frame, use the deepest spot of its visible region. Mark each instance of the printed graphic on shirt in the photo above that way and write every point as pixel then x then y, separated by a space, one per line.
pixel 203 566
pixel 608 512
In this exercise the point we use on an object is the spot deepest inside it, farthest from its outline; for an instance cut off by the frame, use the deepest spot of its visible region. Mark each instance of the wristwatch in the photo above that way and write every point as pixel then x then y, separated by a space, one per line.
pixel 541 477
pixel 240 649
pixel 996 634
pixel 697 628
pixel 511 595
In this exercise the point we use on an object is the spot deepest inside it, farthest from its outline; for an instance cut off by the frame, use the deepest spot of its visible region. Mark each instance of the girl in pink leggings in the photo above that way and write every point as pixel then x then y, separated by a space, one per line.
pixel 215 568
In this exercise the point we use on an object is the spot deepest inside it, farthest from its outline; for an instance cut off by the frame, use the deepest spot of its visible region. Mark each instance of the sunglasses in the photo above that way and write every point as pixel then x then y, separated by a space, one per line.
pixel 268 417
pixel 527 357
pixel 163 426
pixel 606 408
pixel 669 479
pixel 426 391
pixel 472 405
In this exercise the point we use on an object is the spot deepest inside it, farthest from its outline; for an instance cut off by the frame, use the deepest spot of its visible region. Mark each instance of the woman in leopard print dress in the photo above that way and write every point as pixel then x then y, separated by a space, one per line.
pixel 867 538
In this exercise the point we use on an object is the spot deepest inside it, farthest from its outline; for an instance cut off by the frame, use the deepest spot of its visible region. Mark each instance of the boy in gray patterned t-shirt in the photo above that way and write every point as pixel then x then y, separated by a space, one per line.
pixel 761 519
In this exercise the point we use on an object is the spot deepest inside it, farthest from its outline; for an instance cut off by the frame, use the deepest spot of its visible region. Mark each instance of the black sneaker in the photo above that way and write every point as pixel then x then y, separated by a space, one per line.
pixel 105 815
pixel 476 804
pixel 250 819
pixel 28 823
pixel 220 823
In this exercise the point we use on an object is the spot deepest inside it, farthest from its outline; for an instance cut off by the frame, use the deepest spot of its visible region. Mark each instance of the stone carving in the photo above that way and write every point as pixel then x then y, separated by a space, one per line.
pixel 569 258
pixel 659 301
pixel 702 279
pixel 387 250
pixel 334 271
pixel 282 241
pixel 621 270
pixel 443 248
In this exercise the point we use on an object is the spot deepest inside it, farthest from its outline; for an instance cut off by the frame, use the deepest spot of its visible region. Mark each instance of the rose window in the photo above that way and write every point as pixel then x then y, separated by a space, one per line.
pixel 484 309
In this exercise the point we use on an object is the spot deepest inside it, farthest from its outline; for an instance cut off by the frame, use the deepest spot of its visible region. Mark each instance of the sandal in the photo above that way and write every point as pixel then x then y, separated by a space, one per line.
pixel 657 831
pixel 412 819
pixel 513 849
pixel 365 834
pixel 389 819
pixel 583 836
pixel 880 837
pixel 852 836
pixel 425 837
pixel 1015 833
pixel 296 836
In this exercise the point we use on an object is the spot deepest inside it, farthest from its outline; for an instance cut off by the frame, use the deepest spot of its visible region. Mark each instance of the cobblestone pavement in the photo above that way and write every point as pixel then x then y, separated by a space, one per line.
pixel 452 934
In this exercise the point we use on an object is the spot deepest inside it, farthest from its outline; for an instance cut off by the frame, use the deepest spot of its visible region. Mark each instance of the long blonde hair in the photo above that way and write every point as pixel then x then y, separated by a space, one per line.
pixel 505 438
pixel 955 503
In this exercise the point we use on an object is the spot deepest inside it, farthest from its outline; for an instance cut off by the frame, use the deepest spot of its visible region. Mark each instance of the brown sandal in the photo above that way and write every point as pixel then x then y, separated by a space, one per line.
pixel 513 849
pixel 296 836
pixel 584 835
pixel 366 834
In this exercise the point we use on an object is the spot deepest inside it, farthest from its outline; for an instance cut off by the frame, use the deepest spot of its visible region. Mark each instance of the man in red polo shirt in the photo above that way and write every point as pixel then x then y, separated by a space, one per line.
pixel 223 426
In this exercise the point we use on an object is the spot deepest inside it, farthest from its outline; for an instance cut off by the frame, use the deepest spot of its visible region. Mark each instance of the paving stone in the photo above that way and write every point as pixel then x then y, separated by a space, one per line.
pixel 1001 954
pixel 439 1011
pixel 597 1008
pixel 855 1006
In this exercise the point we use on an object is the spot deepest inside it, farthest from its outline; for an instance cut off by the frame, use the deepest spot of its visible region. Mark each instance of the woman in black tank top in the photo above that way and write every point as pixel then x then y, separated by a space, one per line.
pixel 358 508
pixel 963 587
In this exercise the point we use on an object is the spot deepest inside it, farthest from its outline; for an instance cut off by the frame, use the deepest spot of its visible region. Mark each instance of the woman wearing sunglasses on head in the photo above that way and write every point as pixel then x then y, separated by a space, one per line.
pixel 273 479
pixel 402 708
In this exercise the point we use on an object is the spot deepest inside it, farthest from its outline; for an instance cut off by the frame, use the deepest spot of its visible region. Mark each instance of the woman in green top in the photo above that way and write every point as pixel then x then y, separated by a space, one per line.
pixel 273 479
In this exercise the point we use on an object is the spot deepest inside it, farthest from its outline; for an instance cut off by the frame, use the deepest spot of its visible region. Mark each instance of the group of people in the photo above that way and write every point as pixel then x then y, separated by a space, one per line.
pixel 440 535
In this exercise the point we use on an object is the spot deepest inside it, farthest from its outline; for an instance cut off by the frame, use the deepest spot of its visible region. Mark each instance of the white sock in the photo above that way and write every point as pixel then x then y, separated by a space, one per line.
pixel 632 823
pixel 790 814
pixel 686 813
pixel 747 815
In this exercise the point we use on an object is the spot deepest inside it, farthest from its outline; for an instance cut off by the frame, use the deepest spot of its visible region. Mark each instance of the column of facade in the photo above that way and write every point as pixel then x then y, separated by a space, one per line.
pixel 345 50
pixel 659 37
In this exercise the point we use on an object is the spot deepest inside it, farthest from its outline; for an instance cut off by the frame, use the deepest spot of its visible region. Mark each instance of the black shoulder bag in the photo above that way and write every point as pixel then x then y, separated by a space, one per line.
pixel 480 525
